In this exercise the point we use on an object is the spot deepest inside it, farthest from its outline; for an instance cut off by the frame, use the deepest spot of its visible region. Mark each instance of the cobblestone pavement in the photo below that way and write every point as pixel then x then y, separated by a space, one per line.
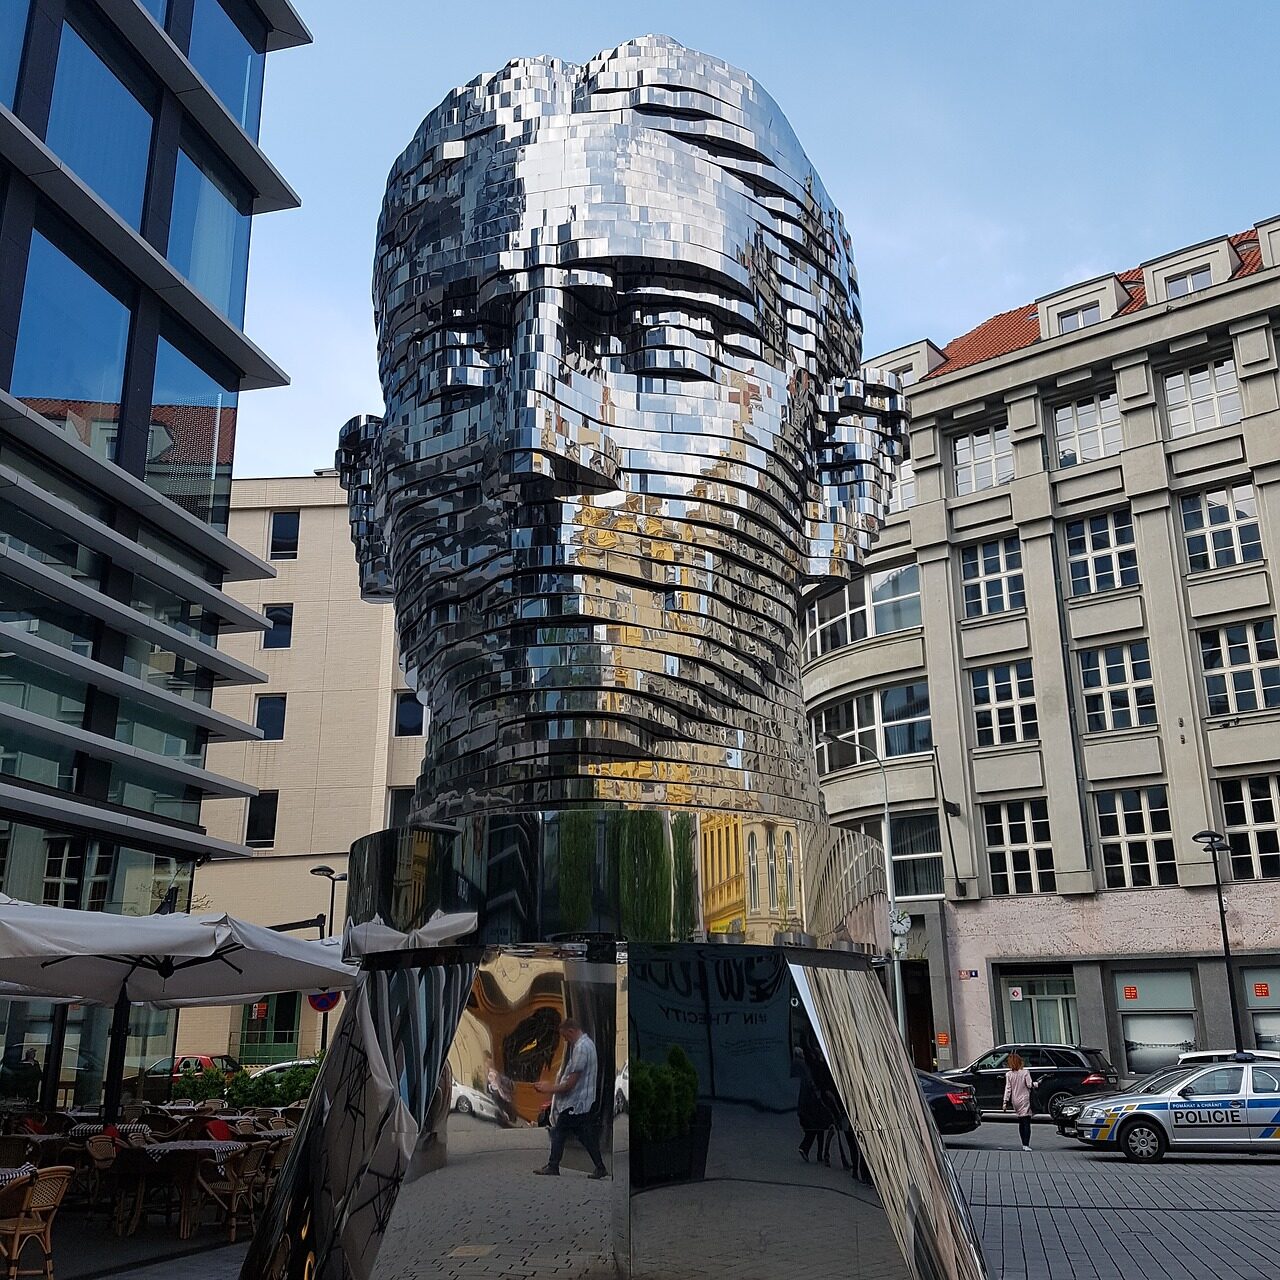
pixel 1065 1212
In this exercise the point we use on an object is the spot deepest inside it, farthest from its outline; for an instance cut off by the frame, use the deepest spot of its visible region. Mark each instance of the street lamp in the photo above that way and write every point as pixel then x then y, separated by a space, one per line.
pixel 1215 844
pixel 899 921
pixel 335 878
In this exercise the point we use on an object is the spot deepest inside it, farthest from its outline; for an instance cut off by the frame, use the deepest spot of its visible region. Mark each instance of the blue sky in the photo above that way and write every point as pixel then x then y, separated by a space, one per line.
pixel 983 153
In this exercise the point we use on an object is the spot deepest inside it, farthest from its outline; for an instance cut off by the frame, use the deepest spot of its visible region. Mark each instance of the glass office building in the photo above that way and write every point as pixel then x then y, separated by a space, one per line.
pixel 129 174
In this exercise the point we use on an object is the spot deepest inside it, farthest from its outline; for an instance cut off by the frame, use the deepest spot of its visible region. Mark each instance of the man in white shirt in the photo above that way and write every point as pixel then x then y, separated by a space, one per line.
pixel 573 1100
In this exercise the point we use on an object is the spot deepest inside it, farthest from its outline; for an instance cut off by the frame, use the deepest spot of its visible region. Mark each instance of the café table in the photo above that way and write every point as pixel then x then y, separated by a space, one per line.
pixel 172 1164
pixel 10 1176
pixel 91 1130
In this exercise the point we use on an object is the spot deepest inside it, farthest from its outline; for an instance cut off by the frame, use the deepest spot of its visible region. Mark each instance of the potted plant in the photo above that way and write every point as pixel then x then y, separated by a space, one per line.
pixel 670 1129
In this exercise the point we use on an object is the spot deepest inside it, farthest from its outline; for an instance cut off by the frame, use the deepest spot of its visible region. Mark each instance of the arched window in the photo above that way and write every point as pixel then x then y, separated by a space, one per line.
pixel 753 876
pixel 771 857
pixel 789 859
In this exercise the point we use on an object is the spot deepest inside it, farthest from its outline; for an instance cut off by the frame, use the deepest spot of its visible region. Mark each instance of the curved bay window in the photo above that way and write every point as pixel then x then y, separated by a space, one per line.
pixel 889 722
pixel 875 605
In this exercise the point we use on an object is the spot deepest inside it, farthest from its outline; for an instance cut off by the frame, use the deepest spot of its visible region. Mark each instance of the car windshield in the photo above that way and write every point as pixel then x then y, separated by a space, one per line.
pixel 1162 1081
pixel 225 1063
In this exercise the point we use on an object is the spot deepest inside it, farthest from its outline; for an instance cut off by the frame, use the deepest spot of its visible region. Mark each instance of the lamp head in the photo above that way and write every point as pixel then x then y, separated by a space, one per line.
pixel 1209 839
pixel 323 871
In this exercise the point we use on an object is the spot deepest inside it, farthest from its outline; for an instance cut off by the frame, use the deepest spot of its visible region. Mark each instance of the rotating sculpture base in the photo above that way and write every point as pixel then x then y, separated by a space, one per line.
pixel 418 1153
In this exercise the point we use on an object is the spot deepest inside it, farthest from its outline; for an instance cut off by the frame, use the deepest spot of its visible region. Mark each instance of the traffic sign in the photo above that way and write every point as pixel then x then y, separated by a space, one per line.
pixel 323 1001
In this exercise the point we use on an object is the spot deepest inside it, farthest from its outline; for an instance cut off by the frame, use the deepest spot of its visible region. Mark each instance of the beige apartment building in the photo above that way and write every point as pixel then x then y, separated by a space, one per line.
pixel 1065 656
pixel 340 753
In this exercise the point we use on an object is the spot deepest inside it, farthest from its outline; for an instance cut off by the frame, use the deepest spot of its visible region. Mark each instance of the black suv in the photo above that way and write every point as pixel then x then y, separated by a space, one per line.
pixel 1058 1071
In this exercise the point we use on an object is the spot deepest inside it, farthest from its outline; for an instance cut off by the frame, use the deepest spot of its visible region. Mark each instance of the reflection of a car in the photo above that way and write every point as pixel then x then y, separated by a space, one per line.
pixel 622 1089
pixel 471 1102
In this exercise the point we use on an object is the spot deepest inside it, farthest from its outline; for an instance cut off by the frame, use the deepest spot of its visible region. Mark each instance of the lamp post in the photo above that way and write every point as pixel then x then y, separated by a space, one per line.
pixel 899 921
pixel 1215 844
pixel 334 878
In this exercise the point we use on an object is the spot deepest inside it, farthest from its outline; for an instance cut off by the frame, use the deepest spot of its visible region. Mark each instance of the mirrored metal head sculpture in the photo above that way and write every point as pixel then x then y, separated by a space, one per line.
pixel 619 337
pixel 619 340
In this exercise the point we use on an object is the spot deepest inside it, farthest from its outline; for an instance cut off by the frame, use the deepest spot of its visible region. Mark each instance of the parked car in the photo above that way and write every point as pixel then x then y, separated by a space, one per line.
pixel 954 1107
pixel 1067 1111
pixel 467 1101
pixel 158 1082
pixel 1058 1072
pixel 1231 1106
pixel 1203 1057
pixel 277 1067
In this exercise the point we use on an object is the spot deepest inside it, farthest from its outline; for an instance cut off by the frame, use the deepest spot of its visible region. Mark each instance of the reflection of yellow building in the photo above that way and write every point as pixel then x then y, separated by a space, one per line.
pixel 750 876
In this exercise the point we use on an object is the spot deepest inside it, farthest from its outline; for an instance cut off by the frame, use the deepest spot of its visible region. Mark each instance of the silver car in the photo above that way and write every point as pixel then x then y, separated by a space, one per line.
pixel 1229 1106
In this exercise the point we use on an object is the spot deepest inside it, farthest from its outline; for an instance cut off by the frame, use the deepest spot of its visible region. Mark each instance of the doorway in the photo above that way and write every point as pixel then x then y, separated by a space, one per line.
pixel 918 1001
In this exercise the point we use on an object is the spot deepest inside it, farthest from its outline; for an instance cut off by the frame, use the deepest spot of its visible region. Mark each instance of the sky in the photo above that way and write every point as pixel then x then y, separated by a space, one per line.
pixel 983 154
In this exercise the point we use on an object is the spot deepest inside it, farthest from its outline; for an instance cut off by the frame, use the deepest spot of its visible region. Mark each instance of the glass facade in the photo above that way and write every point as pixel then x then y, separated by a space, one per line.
pixel 209 230
pixel 13 30
pixel 229 59
pixel 98 126
pixel 192 436
pixel 72 338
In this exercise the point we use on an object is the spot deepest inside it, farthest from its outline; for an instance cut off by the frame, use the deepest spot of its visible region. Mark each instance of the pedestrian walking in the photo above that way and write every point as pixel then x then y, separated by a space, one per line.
pixel 573 1100
pixel 1017 1093
pixel 813 1113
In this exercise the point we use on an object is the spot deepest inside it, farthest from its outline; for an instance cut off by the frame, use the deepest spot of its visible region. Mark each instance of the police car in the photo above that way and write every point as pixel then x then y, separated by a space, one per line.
pixel 1230 1106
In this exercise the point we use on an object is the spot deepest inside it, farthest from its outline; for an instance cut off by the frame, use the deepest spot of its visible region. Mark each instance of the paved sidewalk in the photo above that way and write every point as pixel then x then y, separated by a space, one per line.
pixel 1065 1212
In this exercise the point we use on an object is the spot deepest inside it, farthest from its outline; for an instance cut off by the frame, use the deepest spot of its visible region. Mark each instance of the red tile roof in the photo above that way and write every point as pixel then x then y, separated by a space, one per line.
pixel 1013 330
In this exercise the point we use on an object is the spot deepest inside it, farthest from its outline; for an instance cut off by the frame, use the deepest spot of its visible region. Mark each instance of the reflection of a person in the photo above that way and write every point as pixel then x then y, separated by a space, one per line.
pixel 573 1100
pixel 813 1113
pixel 500 1089
pixel 20 1074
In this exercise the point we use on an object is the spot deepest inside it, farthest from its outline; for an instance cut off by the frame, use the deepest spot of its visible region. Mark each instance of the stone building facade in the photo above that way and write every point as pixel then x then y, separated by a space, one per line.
pixel 1065 655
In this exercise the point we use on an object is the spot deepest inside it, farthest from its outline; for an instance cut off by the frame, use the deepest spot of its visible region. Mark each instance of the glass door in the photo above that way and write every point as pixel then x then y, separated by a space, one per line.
pixel 1046 1013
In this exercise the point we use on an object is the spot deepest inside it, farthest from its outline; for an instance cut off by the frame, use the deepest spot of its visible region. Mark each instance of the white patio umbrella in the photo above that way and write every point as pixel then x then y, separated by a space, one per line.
pixel 373 935
pixel 177 959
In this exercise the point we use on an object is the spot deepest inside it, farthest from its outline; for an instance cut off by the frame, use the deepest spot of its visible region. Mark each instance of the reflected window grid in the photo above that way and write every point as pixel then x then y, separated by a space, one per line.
pixel 1118 687
pixel 874 604
pixel 1019 847
pixel 981 459
pixel 1101 555
pixel 1241 666
pixel 890 722
pixel 991 577
pixel 1202 397
pixel 1220 527
pixel 1087 429
pixel 1251 814
pixel 1004 703
pixel 1136 837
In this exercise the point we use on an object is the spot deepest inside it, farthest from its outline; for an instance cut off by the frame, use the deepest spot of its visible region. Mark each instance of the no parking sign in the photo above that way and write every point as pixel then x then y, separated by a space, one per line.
pixel 324 1001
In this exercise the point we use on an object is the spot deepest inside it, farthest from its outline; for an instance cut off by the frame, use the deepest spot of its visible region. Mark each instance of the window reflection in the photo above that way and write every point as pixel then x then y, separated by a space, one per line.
pixel 209 230
pixel 192 436
pixel 72 335
pixel 229 60
pixel 13 30
pixel 98 126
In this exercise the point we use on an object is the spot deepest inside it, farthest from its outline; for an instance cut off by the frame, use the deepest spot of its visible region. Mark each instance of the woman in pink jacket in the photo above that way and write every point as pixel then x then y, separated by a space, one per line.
pixel 1017 1091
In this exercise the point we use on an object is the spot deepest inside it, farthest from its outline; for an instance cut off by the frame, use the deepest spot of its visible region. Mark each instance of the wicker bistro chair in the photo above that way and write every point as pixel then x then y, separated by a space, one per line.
pixel 271 1171
pixel 234 1188
pixel 31 1218
pixel 96 1169
pixel 15 1151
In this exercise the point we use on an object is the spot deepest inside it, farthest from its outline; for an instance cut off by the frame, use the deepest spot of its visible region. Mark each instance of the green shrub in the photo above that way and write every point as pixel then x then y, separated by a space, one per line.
pixel 199 1086
pixel 664 1096
pixel 295 1084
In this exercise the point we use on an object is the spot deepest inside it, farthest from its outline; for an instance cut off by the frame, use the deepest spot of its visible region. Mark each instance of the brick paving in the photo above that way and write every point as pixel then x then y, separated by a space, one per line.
pixel 1065 1211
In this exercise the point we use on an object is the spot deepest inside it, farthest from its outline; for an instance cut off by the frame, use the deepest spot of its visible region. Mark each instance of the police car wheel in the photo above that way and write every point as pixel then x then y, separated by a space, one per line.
pixel 1143 1142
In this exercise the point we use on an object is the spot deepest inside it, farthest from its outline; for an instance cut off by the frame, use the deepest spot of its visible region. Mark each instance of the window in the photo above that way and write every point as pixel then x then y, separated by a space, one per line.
pixel 284 535
pixel 1018 847
pixel 269 1030
pixel 874 605
pixel 1118 690
pixel 991 574
pixel 1087 429
pixel 260 830
pixel 889 722
pixel 1100 553
pixel 1216 1083
pixel 789 867
pixel 903 495
pixel 209 229
pixel 1241 667
pixel 269 716
pixel 1202 397
pixel 72 335
pixel 753 873
pixel 1004 703
pixel 1079 317
pixel 192 436
pixel 771 867
pixel 1137 839
pixel 1265 1080
pixel 13 31
pixel 230 61
pixel 916 849
pixel 409 717
pixel 280 634
pixel 98 125
pixel 1251 811
pixel 1178 286
pixel 981 459
pixel 1221 527
pixel 399 802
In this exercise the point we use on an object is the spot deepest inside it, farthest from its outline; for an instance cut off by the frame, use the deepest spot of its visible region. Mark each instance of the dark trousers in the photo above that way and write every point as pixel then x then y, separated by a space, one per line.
pixel 1024 1130
pixel 584 1128
pixel 824 1142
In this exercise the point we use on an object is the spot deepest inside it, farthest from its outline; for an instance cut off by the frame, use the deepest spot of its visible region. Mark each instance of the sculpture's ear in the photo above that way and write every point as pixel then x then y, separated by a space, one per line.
pixel 860 439
pixel 357 442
